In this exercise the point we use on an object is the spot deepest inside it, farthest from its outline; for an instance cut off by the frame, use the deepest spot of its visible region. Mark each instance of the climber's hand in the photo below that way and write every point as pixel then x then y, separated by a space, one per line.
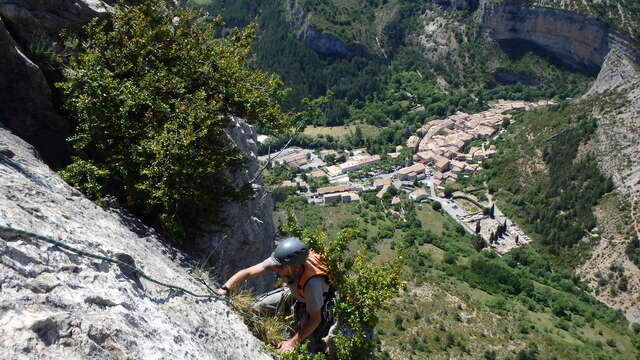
pixel 223 292
pixel 287 345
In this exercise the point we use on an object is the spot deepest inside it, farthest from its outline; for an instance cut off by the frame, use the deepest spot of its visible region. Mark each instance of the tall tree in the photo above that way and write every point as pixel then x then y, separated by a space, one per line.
pixel 152 90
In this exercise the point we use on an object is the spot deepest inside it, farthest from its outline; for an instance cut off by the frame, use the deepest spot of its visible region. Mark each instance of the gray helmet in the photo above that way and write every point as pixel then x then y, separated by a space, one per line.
pixel 290 251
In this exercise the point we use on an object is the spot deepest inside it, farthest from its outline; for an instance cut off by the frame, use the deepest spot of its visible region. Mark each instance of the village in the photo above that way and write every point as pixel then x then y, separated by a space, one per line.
pixel 438 154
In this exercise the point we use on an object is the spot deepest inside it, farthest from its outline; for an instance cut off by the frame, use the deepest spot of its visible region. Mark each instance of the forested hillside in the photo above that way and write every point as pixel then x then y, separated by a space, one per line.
pixel 396 62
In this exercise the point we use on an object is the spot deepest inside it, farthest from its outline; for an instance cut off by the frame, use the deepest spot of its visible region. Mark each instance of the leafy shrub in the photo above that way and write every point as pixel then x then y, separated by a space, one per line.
pixel 450 258
pixel 152 91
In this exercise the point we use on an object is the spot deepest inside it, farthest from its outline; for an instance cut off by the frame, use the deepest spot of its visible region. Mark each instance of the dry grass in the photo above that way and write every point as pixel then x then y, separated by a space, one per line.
pixel 270 329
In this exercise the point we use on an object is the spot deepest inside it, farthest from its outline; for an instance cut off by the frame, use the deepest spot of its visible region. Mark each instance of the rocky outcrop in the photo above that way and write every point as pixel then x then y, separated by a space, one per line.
pixel 249 235
pixel 617 70
pixel 456 4
pixel 37 20
pixel 320 41
pixel 57 304
pixel 29 29
pixel 578 41
pixel 25 101
pixel 618 137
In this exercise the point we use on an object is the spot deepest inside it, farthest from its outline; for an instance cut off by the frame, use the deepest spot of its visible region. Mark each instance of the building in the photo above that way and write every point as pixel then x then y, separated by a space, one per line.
pixel 354 165
pixel 380 183
pixel 334 170
pixel 334 189
pixel 483 131
pixel 325 153
pixel 411 172
pixel 419 195
pixel 317 173
pixel 344 197
pixel 442 165
pixel 413 142
pixel 426 157
pixel 330 198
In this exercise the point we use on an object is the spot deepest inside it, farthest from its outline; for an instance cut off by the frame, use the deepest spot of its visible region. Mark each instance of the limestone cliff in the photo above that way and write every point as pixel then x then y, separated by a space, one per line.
pixel 578 41
pixel 55 304
pixel 320 41
pixel 250 232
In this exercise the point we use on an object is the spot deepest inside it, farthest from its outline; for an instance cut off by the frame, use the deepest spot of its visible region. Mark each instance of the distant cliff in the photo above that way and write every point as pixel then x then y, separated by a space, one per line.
pixel 576 40
pixel 320 41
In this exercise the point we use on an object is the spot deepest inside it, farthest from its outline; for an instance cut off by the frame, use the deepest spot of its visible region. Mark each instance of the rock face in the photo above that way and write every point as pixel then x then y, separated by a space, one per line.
pixel 32 20
pixel 319 41
pixel 56 304
pixel 25 100
pixel 617 70
pixel 250 234
pixel 456 4
pixel 578 41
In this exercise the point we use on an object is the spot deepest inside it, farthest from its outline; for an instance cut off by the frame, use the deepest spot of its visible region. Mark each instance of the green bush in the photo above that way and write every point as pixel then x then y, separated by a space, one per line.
pixel 151 91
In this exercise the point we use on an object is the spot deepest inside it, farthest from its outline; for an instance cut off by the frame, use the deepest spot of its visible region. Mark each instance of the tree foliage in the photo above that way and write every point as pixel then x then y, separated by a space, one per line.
pixel 152 91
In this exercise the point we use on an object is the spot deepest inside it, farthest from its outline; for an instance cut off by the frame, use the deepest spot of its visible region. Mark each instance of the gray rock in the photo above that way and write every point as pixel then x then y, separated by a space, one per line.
pixel 320 41
pixel 36 20
pixel 250 234
pixel 56 304
pixel 578 41
pixel 616 71
pixel 25 99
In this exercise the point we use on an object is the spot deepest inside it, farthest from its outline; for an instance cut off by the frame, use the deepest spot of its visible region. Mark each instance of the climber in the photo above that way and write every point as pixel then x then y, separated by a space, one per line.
pixel 305 278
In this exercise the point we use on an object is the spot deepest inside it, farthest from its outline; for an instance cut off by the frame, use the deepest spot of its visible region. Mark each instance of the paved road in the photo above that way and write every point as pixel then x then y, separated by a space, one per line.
pixel 455 211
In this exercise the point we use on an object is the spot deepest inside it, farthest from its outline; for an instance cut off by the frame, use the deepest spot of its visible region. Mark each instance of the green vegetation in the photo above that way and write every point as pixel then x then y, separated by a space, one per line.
pixel 389 76
pixel 339 131
pixel 543 181
pixel 151 92
pixel 460 302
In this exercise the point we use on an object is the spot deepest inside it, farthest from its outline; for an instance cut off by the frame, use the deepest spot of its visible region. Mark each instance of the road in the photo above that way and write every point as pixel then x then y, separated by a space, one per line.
pixel 455 211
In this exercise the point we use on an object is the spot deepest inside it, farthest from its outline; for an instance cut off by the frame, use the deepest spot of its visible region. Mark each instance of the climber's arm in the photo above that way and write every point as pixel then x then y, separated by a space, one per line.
pixel 314 320
pixel 243 275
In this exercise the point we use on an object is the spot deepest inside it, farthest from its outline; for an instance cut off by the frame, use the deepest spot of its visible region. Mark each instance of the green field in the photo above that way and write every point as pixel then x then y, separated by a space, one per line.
pixel 339 131
pixel 431 220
